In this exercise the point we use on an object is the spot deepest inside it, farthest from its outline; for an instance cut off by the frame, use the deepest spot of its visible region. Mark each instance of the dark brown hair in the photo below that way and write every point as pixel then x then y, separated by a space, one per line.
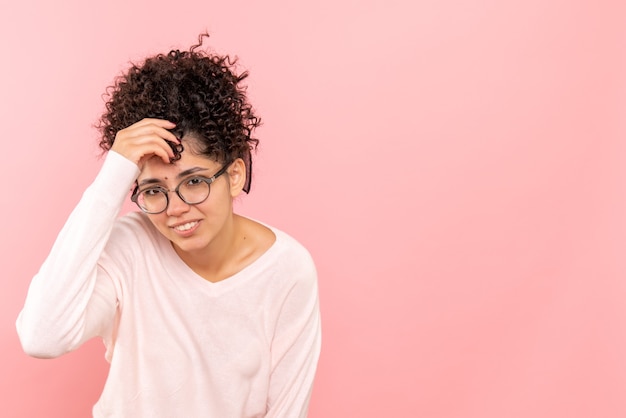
pixel 201 92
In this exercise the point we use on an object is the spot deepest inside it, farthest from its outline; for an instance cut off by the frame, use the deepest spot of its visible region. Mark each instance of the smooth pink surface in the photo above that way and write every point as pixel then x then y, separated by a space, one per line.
pixel 456 168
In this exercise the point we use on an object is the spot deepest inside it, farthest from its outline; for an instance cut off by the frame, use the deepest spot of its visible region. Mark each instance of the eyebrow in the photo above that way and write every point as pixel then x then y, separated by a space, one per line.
pixel 179 175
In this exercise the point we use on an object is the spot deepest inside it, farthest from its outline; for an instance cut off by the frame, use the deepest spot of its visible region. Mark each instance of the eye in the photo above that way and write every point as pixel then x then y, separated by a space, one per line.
pixel 195 181
pixel 152 191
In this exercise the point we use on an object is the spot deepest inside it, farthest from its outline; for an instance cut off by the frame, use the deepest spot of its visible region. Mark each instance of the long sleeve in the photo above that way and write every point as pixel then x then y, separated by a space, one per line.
pixel 71 299
pixel 296 346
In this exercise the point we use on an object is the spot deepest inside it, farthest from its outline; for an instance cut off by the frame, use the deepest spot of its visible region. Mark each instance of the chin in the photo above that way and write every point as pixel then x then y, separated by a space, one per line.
pixel 188 246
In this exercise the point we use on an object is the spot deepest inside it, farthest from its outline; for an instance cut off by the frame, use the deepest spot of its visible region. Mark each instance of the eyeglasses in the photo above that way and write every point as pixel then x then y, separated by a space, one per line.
pixel 192 191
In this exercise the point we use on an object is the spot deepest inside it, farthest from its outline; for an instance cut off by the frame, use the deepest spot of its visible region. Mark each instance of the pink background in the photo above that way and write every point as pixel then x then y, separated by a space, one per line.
pixel 456 168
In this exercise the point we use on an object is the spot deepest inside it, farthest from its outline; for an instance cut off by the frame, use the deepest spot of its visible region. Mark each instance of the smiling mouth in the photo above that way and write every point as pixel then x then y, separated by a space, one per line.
pixel 185 227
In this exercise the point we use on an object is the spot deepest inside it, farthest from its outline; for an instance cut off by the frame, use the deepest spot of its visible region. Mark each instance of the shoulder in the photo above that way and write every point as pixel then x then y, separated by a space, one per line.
pixel 294 283
pixel 291 257
pixel 289 245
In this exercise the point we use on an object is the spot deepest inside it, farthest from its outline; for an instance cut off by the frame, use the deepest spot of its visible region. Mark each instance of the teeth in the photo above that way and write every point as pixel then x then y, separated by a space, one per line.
pixel 185 227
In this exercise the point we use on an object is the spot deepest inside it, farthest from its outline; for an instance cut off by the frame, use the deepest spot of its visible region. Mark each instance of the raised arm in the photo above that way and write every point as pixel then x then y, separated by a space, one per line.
pixel 72 298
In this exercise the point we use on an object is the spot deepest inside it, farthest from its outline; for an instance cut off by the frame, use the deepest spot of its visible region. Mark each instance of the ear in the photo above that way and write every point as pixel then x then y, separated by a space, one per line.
pixel 237 176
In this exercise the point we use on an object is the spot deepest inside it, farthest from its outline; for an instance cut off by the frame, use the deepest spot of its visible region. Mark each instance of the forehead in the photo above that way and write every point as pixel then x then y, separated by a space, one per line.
pixel 156 168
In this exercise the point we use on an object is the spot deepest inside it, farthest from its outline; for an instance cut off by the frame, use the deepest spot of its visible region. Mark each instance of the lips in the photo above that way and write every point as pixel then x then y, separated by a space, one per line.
pixel 185 226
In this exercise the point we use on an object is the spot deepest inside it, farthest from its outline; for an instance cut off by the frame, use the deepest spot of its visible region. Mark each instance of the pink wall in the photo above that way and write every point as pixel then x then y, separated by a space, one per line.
pixel 456 168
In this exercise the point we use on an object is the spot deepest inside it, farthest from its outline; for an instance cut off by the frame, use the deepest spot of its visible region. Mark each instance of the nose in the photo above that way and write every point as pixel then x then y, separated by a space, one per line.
pixel 177 206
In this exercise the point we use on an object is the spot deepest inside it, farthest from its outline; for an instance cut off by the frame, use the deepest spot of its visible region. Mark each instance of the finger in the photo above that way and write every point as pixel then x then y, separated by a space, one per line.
pixel 155 142
pixel 165 155
pixel 158 153
pixel 163 126
pixel 150 125
pixel 149 129
pixel 136 148
pixel 148 150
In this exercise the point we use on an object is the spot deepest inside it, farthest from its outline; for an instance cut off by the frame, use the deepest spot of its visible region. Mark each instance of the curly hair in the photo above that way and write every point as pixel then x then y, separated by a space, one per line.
pixel 199 91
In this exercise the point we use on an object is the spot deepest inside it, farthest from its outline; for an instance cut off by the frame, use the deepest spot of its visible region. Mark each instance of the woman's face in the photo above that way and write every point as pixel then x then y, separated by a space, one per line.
pixel 192 229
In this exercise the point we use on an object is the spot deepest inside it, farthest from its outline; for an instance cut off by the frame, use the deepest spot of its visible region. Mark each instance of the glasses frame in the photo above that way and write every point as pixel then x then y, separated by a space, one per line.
pixel 208 180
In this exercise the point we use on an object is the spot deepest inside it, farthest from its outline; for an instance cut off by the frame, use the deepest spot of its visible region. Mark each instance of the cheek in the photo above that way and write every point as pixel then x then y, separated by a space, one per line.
pixel 222 202
pixel 215 210
pixel 221 195
pixel 212 210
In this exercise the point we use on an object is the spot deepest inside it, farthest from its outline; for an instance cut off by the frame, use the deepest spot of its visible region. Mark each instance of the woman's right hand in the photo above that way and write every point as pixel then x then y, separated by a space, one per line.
pixel 144 139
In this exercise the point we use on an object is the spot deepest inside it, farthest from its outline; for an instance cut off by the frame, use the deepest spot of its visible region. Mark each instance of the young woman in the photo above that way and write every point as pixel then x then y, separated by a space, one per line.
pixel 204 313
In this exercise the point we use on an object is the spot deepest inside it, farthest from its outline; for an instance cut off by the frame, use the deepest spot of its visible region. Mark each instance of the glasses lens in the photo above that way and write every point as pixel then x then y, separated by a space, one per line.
pixel 194 190
pixel 152 200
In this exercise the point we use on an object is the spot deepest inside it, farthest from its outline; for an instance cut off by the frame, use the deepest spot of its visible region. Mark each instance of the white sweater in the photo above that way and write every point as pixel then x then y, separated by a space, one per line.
pixel 179 346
